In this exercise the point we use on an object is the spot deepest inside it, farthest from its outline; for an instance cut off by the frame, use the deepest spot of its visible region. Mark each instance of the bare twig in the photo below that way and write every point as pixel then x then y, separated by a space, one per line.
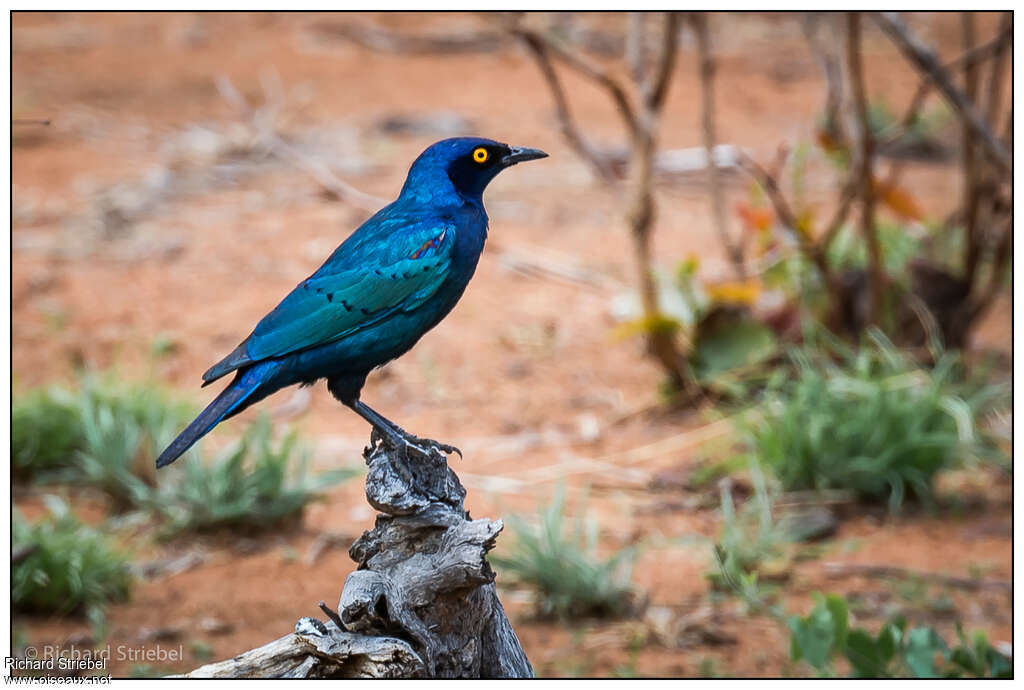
pixel 839 570
pixel 699 21
pixel 656 89
pixel 332 614
pixel 640 215
pixel 1000 260
pixel 788 219
pixel 586 68
pixel 971 170
pixel 378 38
pixel 833 77
pixel 637 47
pixel 314 168
pixel 846 197
pixel 1000 51
pixel 975 56
pixel 924 59
pixel 865 167
pixel 597 160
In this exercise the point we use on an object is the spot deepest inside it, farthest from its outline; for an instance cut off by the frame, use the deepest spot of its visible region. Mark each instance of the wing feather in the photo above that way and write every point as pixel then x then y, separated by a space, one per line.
pixel 356 288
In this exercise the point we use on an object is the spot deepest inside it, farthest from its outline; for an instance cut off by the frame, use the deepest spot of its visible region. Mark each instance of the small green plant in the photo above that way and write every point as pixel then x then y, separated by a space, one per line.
pixel 750 538
pixel 124 427
pixel 46 431
pixel 105 434
pixel 874 424
pixel 253 485
pixel 570 579
pixel 896 651
pixel 70 568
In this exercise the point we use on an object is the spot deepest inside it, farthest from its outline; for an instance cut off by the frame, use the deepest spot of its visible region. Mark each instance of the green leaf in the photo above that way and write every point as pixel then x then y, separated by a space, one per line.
pixel 813 637
pixel 889 639
pixel 923 645
pixel 863 654
pixel 840 619
pixel 726 343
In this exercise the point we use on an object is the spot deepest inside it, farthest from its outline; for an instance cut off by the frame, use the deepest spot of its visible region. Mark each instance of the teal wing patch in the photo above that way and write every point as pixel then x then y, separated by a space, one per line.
pixel 332 304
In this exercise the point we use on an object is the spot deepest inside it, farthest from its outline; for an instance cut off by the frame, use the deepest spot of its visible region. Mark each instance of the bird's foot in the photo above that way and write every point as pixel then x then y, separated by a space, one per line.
pixel 410 445
pixel 424 445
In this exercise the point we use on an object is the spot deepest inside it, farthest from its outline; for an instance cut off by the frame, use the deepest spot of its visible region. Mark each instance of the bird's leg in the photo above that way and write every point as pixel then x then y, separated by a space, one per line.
pixel 395 436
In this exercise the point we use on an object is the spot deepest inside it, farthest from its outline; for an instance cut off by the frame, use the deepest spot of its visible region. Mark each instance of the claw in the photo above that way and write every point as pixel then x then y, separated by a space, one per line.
pixel 401 439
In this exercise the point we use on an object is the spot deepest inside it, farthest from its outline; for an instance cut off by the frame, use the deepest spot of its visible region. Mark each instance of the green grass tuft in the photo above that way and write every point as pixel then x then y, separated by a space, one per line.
pixel 563 566
pixel 72 569
pixel 253 485
pixel 874 424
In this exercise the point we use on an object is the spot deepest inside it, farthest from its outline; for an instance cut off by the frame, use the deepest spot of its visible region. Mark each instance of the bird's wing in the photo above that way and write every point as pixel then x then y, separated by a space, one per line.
pixel 341 298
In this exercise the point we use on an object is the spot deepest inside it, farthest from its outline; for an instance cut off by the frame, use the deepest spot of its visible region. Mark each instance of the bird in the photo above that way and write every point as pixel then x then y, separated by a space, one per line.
pixel 392 280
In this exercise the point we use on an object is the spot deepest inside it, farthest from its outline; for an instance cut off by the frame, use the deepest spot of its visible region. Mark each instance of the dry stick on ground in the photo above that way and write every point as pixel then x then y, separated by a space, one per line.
pixel 422 602
pixel 865 164
pixel 699 21
pixel 924 59
pixel 318 170
pixel 378 38
pixel 840 570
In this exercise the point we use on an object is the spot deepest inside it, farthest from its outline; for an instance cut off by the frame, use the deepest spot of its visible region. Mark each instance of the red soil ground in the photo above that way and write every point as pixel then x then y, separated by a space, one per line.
pixel 515 372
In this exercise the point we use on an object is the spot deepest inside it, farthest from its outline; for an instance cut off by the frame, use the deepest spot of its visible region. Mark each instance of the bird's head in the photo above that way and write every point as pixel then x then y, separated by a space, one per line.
pixel 465 165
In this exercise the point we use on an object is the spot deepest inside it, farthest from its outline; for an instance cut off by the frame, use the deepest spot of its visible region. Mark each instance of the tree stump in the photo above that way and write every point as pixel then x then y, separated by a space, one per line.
pixel 422 602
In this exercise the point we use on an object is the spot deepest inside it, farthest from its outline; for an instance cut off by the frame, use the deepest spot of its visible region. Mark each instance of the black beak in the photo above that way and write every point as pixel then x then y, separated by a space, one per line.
pixel 518 154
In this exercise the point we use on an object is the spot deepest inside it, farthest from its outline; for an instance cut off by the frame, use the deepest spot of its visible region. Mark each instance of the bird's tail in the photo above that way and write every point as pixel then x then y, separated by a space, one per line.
pixel 247 387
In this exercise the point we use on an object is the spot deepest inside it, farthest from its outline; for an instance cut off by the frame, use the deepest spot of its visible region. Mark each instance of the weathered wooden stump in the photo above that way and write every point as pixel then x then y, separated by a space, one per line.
pixel 422 601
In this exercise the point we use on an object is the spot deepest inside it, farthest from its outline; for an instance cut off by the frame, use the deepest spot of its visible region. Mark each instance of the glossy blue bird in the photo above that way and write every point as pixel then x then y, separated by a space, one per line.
pixel 390 282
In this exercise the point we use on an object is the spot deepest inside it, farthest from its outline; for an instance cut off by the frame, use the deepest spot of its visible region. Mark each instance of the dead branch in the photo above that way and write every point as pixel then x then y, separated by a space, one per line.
pixel 656 89
pixel 846 197
pixel 316 650
pixel 841 570
pixel 864 170
pixel 378 38
pixel 316 169
pixel 637 47
pixel 975 56
pixel 584 67
pixel 699 21
pixel 924 59
pixel 640 215
pixel 597 160
pixel 788 219
pixel 992 49
pixel 1001 43
pixel 421 601
pixel 833 78
pixel 971 171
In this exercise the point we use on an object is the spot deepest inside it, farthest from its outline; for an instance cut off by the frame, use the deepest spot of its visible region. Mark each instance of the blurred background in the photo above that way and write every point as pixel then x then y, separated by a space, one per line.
pixel 745 419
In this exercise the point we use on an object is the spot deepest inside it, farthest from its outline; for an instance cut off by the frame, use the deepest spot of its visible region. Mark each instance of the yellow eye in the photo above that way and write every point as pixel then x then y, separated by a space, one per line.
pixel 480 155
